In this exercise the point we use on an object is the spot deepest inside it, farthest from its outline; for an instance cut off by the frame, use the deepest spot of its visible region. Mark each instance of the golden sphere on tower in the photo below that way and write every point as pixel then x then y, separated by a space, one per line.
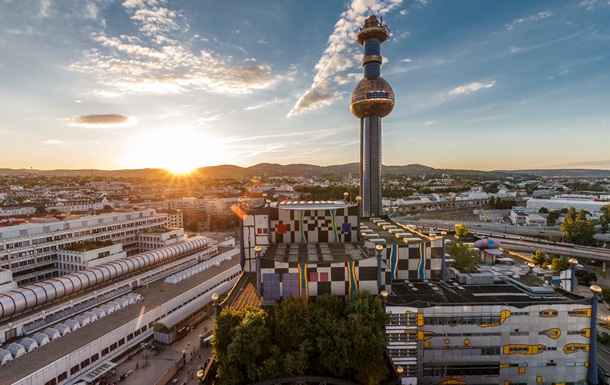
pixel 372 97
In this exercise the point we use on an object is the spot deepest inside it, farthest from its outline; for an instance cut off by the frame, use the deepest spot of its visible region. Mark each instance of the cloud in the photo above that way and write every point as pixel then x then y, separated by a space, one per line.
pixel 159 59
pixel 472 87
pixel 340 54
pixel 537 16
pixel 605 164
pixel 53 141
pixel 266 104
pixel 101 120
pixel 593 4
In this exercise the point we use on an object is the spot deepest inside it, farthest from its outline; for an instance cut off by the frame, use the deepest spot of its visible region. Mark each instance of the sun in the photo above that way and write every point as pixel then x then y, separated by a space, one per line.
pixel 178 150
pixel 180 169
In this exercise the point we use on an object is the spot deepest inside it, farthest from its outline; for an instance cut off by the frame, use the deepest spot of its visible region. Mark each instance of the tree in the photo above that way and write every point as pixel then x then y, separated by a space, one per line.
pixel 551 219
pixel 461 230
pixel 365 325
pixel 559 264
pixel 604 219
pixel 540 258
pixel 577 229
pixel 491 202
pixel 543 210
pixel 241 341
pixel 327 337
pixel 463 256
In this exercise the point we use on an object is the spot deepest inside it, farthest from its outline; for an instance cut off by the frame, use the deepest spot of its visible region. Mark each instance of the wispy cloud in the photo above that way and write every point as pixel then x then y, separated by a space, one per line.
pixel 534 17
pixel 514 50
pixel 266 104
pixel 159 60
pixel 472 87
pixel 339 54
pixel 584 164
pixel 593 4
pixel 53 141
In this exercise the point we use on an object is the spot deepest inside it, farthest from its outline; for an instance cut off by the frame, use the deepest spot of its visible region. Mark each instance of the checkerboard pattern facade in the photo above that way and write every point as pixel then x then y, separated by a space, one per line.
pixel 303 226
pixel 320 272
pixel 281 279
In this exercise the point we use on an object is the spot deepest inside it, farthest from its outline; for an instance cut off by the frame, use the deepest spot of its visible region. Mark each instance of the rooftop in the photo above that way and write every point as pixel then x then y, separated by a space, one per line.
pixel 314 252
pixel 508 291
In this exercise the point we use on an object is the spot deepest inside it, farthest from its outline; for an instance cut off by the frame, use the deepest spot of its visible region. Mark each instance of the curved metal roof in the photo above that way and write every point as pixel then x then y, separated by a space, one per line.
pixel 173 319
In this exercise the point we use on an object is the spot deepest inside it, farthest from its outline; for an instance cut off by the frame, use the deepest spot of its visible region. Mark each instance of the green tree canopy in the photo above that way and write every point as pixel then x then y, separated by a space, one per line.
pixel 540 258
pixel 604 219
pixel 327 337
pixel 461 230
pixel 463 256
pixel 577 229
pixel 551 219
pixel 560 264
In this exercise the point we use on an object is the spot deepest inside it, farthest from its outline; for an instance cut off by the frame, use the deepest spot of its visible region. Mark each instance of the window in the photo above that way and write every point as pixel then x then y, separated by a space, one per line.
pixel 580 313
pixel 548 313
pixel 62 377
pixel 74 369
pixel 490 351
pixel 95 357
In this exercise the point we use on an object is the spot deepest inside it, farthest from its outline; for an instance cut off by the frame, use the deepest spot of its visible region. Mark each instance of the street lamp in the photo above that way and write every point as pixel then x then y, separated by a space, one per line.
pixel 358 200
pixel 215 298
pixel 592 370
pixel 345 195
pixel 399 373
pixel 531 265
pixel 443 261
pixel 257 250
pixel 379 249
pixel 573 262
pixel 384 299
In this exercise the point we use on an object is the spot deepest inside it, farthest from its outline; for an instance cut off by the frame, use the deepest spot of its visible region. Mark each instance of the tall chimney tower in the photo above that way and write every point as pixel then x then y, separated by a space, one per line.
pixel 372 99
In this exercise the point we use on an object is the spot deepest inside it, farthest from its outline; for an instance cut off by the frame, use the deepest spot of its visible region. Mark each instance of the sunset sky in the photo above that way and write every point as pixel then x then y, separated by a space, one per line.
pixel 188 83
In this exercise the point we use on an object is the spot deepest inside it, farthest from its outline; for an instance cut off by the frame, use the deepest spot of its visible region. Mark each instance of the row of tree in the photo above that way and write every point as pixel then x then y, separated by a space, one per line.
pixel 500 204
pixel 543 260
pixel 327 337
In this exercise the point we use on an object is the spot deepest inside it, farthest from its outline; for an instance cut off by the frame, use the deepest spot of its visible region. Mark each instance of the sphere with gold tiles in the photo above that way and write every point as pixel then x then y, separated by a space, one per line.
pixel 372 97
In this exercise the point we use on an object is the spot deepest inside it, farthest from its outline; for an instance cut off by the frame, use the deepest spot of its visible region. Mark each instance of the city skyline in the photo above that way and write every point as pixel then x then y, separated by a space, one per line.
pixel 136 84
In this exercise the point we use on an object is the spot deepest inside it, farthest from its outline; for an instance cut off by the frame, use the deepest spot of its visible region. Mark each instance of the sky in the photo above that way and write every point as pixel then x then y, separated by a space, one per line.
pixel 181 84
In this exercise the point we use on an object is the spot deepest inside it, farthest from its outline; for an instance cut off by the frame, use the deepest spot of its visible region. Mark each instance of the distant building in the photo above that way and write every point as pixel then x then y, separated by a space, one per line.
pixel 175 219
pixel 589 203
pixel 12 211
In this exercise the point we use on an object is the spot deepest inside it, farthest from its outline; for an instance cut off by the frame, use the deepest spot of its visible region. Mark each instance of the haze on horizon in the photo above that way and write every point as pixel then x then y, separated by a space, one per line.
pixel 110 84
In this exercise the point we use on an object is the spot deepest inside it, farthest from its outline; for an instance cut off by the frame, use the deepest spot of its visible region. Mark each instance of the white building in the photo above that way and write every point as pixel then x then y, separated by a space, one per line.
pixel 589 204
pixel 501 333
pixel 30 251
pixel 16 210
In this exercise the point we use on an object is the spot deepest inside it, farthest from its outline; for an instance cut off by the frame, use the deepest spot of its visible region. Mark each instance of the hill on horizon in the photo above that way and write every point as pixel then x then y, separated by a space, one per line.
pixel 307 170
